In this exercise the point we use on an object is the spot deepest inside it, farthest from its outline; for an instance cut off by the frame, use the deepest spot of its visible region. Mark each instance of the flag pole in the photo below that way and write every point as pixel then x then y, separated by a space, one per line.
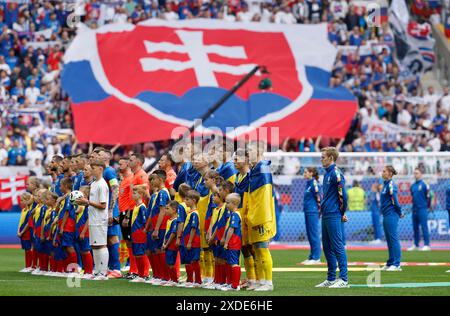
pixel 210 111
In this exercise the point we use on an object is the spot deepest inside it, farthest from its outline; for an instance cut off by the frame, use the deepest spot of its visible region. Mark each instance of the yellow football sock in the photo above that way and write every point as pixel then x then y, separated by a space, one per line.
pixel 260 275
pixel 208 257
pixel 249 264
pixel 202 263
pixel 266 262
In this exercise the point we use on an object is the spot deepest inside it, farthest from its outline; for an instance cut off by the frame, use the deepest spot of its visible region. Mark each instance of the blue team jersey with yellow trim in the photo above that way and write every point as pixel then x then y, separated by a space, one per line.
pixel 235 222
pixel 172 225
pixel 209 212
pixel 192 222
pixel 38 219
pixel 138 221
pixel 160 199
pixel 221 221
pixel 24 218
pixel 182 212
pixel 50 215
pixel 82 219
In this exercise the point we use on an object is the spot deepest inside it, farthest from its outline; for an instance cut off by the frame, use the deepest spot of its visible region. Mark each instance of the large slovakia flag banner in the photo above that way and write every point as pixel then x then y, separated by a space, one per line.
pixel 136 83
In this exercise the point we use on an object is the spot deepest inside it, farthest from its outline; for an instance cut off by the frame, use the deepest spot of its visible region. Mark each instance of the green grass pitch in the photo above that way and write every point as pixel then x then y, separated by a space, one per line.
pixel 286 283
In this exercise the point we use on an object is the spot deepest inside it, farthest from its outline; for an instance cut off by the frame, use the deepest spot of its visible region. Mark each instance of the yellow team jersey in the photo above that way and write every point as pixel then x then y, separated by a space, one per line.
pixel 23 215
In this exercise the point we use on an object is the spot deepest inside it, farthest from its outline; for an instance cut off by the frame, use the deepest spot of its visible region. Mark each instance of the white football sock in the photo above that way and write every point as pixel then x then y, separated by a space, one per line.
pixel 101 257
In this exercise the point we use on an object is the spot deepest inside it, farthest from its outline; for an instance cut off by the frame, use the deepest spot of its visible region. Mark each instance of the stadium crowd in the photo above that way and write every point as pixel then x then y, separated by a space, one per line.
pixel 36 120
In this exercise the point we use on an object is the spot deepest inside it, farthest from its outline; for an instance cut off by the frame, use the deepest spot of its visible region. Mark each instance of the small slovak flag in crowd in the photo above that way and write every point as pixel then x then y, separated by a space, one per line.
pixel 10 190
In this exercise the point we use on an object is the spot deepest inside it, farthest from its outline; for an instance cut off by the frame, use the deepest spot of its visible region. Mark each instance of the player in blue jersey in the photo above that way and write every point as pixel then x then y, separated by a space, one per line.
pixel 138 235
pixel 333 207
pixel 181 217
pixel 78 164
pixel 170 238
pixel 156 227
pixel 221 159
pixel 110 176
pixel 421 202
pixel 82 237
pixel 191 241
pixel 54 169
pixel 392 212
pixel 23 231
pixel 311 208
pixel 38 218
pixel 232 242
pixel 67 226
pixel 374 207
pixel 182 176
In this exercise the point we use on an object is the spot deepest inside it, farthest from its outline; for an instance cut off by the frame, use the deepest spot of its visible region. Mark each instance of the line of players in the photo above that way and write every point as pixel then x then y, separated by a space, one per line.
pixel 203 217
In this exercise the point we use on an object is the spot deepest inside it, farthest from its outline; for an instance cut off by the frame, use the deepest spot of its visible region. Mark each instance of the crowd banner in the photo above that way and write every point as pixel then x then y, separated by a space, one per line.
pixel 414 41
pixel 389 132
pixel 43 45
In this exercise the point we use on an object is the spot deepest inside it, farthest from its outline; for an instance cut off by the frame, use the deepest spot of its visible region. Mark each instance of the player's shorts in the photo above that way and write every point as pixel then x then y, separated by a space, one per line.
pixel 182 254
pixel 114 230
pixel 49 246
pixel 68 239
pixel 26 244
pixel 36 243
pixel 98 235
pixel 126 231
pixel 154 245
pixel 261 233
pixel 233 257
pixel 245 239
pixel 60 254
pixel 39 246
pixel 138 249
pixel 83 244
pixel 171 257
pixel 219 252
pixel 192 255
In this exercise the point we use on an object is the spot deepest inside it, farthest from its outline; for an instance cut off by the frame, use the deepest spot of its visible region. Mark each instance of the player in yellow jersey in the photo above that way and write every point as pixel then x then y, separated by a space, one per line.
pixel 23 231
pixel 260 219
pixel 241 184
pixel 201 164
